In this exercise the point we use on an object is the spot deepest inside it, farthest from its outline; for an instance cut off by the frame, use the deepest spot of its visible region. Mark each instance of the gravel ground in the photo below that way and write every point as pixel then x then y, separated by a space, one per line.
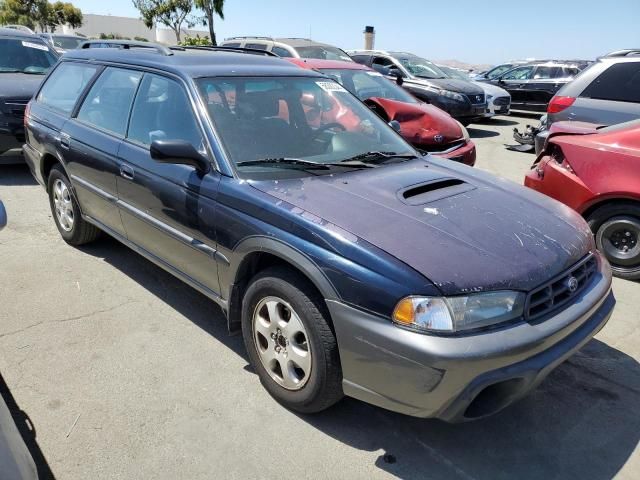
pixel 127 373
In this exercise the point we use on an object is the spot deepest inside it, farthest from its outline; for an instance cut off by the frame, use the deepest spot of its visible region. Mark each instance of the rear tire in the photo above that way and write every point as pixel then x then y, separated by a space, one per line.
pixel 66 211
pixel 616 228
pixel 290 344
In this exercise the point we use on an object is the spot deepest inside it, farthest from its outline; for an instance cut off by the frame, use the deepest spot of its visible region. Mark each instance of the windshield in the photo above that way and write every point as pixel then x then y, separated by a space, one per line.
pixel 309 121
pixel 453 73
pixel 366 84
pixel 67 43
pixel 26 56
pixel 419 67
pixel 323 52
pixel 499 70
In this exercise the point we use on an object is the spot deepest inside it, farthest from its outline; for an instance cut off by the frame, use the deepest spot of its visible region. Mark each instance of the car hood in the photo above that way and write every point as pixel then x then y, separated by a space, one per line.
pixel 19 86
pixel 492 90
pixel 452 84
pixel 420 123
pixel 465 232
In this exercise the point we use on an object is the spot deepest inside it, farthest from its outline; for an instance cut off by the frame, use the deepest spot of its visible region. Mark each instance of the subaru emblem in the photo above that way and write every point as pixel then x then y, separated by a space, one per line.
pixel 572 284
pixel 438 138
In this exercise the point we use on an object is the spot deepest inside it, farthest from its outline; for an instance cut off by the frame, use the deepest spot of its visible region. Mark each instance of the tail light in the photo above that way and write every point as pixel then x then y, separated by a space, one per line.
pixel 560 103
pixel 25 120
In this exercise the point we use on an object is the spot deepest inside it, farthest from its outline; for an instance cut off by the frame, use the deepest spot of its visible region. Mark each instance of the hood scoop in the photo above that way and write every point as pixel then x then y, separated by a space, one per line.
pixel 433 190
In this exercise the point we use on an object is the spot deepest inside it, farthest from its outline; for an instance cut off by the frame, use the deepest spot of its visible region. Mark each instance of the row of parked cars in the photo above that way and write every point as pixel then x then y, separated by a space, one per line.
pixel 352 263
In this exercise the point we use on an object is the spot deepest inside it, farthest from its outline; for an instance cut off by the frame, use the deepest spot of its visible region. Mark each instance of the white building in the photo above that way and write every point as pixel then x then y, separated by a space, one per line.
pixel 94 25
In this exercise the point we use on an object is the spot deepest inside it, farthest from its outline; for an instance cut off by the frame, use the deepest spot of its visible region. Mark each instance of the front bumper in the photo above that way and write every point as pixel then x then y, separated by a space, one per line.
pixel 493 109
pixel 464 154
pixel 463 377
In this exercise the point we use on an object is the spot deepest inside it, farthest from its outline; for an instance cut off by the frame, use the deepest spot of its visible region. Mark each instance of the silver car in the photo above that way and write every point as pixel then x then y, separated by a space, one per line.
pixel 289 47
pixel 606 93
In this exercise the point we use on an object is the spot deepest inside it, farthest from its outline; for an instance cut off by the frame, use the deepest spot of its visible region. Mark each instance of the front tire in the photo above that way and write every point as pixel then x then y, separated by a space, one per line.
pixel 290 344
pixel 66 211
pixel 617 232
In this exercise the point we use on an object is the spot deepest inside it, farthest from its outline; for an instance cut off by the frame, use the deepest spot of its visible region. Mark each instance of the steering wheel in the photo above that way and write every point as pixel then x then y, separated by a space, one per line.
pixel 326 127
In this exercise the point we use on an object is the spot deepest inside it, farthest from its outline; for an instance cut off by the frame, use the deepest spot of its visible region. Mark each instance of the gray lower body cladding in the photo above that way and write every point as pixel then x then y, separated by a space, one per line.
pixel 464 377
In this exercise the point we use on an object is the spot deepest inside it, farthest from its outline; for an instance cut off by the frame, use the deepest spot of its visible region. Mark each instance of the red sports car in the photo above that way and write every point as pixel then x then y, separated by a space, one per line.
pixel 596 171
pixel 425 126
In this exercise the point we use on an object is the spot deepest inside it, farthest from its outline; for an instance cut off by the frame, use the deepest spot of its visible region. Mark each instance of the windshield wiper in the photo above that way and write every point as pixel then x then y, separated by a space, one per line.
pixel 377 157
pixel 9 70
pixel 282 161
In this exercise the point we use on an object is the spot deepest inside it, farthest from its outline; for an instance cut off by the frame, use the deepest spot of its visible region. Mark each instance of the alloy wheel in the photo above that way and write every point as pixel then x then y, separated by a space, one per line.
pixel 282 343
pixel 63 205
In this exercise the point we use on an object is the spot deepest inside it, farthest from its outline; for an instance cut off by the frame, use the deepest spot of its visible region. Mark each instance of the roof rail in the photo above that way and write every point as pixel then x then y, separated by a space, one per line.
pixel 251 51
pixel 622 53
pixel 297 38
pixel 129 44
pixel 249 37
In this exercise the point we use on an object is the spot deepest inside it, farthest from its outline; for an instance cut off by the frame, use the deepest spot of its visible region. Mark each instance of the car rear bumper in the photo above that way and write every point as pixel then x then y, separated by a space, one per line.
pixel 464 154
pixel 463 377
pixel 552 179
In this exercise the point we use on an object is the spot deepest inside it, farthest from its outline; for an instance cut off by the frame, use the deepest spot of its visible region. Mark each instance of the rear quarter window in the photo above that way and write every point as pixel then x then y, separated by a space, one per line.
pixel 65 85
pixel 257 46
pixel 620 82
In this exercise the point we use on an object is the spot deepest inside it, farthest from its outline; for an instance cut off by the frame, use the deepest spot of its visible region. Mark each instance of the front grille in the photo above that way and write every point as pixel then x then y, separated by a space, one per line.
pixel 502 101
pixel 476 99
pixel 557 293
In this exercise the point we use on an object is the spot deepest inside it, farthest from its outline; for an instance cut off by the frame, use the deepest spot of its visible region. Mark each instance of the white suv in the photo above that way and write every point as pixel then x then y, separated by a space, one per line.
pixel 289 47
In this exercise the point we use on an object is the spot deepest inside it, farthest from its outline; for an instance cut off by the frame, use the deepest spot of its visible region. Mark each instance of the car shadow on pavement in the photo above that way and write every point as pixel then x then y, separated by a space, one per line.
pixel 16 175
pixel 27 432
pixel 581 422
pixel 498 122
pixel 199 309
pixel 475 132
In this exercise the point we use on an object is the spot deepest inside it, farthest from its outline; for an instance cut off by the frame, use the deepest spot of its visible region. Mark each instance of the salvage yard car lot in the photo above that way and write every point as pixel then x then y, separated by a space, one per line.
pixel 145 366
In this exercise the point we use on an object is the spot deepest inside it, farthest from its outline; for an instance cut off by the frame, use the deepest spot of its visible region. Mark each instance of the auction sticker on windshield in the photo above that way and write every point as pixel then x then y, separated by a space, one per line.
pixel 331 87
pixel 35 45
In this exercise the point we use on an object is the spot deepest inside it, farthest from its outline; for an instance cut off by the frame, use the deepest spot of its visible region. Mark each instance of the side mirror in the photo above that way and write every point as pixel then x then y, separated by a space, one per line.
pixel 3 216
pixel 179 152
pixel 395 125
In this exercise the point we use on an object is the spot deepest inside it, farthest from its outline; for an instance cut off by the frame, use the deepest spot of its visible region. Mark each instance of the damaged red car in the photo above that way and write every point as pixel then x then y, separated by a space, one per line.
pixel 596 171
pixel 425 126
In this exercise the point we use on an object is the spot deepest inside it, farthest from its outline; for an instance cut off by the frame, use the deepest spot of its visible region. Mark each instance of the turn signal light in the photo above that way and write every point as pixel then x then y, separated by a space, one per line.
pixel 560 103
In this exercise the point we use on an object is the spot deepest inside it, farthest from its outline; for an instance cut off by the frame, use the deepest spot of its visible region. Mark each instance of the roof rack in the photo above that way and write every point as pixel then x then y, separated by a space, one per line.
pixel 249 36
pixel 622 53
pixel 128 44
pixel 250 51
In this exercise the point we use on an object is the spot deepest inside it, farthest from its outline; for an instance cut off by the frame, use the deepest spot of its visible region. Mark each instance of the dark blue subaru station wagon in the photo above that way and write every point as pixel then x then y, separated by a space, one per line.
pixel 352 264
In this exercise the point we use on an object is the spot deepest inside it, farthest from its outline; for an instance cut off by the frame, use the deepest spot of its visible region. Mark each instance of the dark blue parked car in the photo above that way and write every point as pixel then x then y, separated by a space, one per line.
pixel 351 263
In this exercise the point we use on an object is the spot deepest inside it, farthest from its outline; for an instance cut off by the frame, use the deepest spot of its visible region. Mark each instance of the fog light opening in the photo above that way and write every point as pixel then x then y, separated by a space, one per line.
pixel 494 398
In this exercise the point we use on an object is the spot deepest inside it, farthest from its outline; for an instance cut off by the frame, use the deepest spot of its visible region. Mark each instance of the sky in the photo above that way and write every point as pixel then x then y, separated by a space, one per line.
pixel 476 32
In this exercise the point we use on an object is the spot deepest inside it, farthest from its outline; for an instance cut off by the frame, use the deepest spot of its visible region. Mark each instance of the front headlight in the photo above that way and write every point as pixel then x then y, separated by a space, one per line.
pixel 459 313
pixel 452 95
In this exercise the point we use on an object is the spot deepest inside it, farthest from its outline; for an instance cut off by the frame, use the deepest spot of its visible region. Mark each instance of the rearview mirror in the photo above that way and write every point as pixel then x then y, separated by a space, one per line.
pixel 3 216
pixel 179 152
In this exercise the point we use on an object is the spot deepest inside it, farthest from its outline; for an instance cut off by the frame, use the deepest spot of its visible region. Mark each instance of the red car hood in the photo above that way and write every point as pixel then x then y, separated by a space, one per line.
pixel 421 122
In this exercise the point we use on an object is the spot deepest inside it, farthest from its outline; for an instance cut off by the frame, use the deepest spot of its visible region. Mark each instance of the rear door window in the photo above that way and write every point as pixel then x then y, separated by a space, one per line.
pixel 545 73
pixel 520 73
pixel 620 82
pixel 281 52
pixel 162 111
pixel 65 85
pixel 108 103
pixel 257 46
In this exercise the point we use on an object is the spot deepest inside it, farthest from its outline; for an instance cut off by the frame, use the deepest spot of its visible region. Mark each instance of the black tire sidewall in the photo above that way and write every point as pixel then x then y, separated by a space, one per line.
pixel 601 216
pixel 265 285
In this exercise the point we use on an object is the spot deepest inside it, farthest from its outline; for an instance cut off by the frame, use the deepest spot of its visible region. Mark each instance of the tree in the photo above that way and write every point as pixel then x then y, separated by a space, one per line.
pixel 172 13
pixel 211 7
pixel 40 13
pixel 61 13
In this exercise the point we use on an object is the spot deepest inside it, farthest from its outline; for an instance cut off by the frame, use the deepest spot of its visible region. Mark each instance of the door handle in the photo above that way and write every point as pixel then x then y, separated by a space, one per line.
pixel 126 172
pixel 65 141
